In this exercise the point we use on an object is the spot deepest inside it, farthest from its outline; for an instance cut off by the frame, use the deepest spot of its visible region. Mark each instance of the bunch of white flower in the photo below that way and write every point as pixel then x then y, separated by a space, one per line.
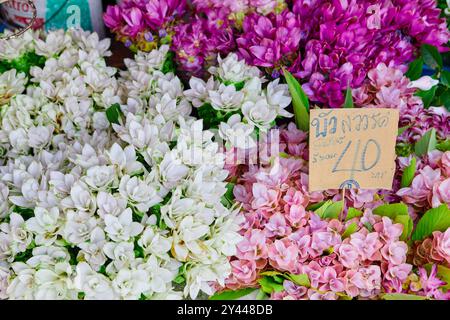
pixel 104 200
pixel 236 99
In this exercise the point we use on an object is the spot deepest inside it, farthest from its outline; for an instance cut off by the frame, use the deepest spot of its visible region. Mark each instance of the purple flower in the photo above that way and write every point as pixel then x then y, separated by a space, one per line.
pixel 113 17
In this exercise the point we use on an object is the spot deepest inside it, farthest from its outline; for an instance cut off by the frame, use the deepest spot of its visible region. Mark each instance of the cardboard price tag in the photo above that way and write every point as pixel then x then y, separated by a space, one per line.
pixel 352 148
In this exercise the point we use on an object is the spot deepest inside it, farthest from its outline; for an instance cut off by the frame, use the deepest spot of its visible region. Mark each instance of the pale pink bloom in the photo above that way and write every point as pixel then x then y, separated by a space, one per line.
pixel 253 246
pixel 348 255
pixel 264 197
pixel 303 242
pixel 441 244
pixel 244 271
pixel 323 240
pixel 296 215
pixel 332 281
pixel 367 280
pixel 395 252
pixel 445 163
pixel 441 193
pixel 277 226
pixel 387 230
pixel 283 255
pixel 368 246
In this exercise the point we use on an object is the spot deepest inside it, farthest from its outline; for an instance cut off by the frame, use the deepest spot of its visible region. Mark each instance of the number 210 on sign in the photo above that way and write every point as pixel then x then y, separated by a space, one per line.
pixel 352 148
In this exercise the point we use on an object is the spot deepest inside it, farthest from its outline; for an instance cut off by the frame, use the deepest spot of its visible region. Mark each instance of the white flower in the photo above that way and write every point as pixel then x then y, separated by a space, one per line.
pixel 100 121
pixel 424 83
pixel 55 42
pixel 121 254
pixel 124 159
pixel 11 83
pixel 20 237
pixel 39 137
pixel 48 256
pixel 110 204
pixel 155 243
pixel 19 140
pixel 45 224
pixel 160 279
pixel 22 286
pixel 122 228
pixel 136 133
pixel 55 283
pixel 139 193
pixel 226 98
pixel 4 280
pixel 172 170
pixel 237 133
pixel 199 90
pixel 92 251
pixel 80 198
pixel 259 113
pixel 100 177
pixel 4 205
pixel 78 226
pixel 130 284
pixel 233 70
pixel 94 285
pixel 200 277
pixel 278 97
pixel 189 231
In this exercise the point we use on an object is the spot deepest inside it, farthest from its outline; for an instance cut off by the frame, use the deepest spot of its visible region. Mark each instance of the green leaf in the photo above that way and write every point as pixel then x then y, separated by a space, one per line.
pixel 268 285
pixel 415 69
pixel 444 146
pixel 271 273
pixel 427 96
pixel 232 295
pixel 445 78
pixel 299 101
pixel 431 57
pixel 353 213
pixel 113 113
pixel 391 210
pixel 408 174
pixel 407 223
pixel 403 129
pixel 261 295
pixel 169 64
pixel 300 279
pixel 228 197
pixel 435 219
pixel 315 206
pixel 348 99
pixel 351 229
pixel 333 211
pixel 321 210
pixel 402 296
pixel 427 143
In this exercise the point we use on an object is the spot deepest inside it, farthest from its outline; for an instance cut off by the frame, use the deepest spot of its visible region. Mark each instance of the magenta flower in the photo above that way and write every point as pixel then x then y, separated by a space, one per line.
pixel 158 12
pixel 266 41
pixel 113 17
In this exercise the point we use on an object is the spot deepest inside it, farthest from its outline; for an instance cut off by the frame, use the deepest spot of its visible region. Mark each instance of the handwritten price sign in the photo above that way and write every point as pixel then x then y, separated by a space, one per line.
pixel 352 148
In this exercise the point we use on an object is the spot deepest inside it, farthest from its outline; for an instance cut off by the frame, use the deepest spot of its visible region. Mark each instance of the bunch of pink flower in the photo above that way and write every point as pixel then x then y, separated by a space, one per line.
pixel 357 257
pixel 342 41
pixel 198 42
pixel 431 184
pixel 238 8
pixel 144 24
pixel 388 87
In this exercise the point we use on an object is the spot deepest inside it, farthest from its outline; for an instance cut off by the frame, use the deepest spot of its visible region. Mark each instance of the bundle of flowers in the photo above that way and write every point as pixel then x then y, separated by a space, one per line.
pixel 329 45
pixel 312 245
pixel 103 200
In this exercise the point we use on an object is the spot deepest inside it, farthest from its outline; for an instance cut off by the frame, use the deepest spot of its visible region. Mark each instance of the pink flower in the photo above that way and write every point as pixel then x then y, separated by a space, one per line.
pixel 430 283
pixel 277 226
pixel 395 252
pixel 367 245
pixel 253 247
pixel 367 280
pixel 441 245
pixel 113 17
pixel 348 255
pixel 244 271
pixel 264 197
pixel 283 255
pixel 332 281
pixel 134 21
pixel 388 230
pixel 441 193
pixel 323 240
pixel 445 163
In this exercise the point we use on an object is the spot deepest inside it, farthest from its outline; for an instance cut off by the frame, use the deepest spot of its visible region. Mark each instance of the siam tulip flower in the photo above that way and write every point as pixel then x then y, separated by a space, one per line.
pixel 268 41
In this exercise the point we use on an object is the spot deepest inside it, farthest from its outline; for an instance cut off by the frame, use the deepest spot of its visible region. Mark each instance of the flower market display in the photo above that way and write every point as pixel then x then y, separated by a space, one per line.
pixel 185 173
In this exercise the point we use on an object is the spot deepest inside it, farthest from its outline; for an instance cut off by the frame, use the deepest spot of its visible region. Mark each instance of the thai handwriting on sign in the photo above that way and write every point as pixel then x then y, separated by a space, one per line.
pixel 352 148
pixel 326 123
